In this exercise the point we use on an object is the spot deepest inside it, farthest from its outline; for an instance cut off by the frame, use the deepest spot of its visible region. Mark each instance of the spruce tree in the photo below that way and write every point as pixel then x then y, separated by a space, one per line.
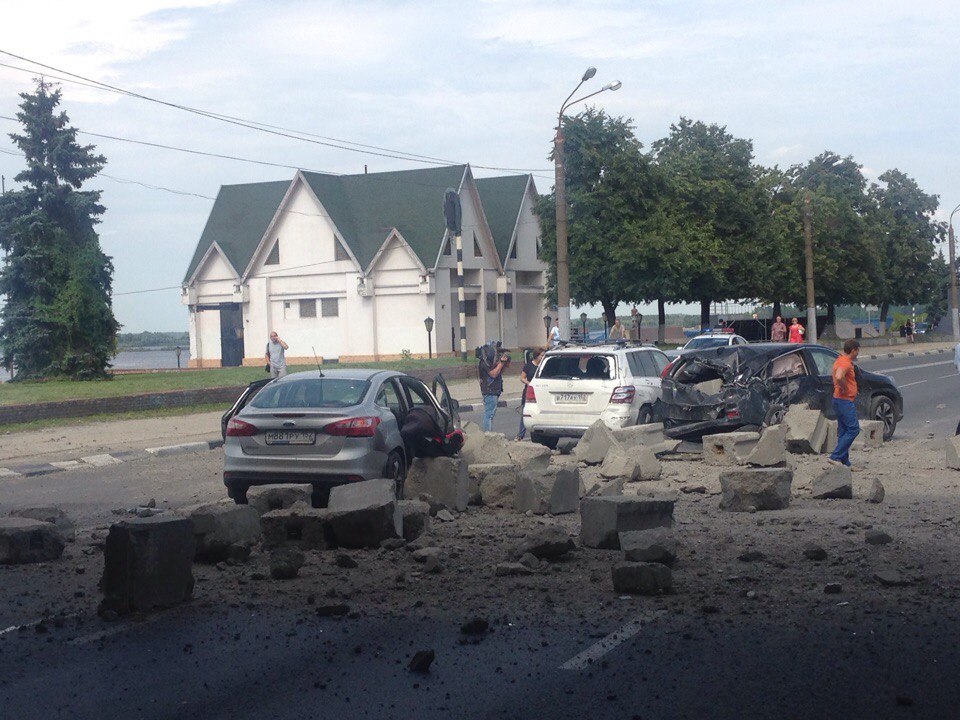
pixel 57 319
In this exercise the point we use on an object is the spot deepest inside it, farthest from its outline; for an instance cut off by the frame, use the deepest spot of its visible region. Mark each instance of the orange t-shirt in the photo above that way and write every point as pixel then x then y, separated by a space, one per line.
pixel 843 364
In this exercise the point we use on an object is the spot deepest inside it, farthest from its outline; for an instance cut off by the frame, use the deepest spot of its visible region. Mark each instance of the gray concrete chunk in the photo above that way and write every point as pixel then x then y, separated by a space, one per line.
pixel 278 497
pixel 602 519
pixel 218 526
pixel 771 448
pixel 528 456
pixel 25 540
pixel 446 480
pixel 415 515
pixel 832 481
pixel 365 513
pixel 548 543
pixel 555 490
pixel 728 448
pixel 53 515
pixel 952 447
pixel 757 488
pixel 830 439
pixel 640 435
pixel 619 464
pixel 300 526
pixel 871 435
pixel 655 545
pixel 806 430
pixel 483 447
pixel 497 482
pixel 595 444
pixel 640 578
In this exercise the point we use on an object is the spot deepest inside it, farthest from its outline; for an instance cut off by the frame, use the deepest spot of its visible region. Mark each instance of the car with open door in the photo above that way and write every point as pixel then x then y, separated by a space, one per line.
pixel 728 388
pixel 327 428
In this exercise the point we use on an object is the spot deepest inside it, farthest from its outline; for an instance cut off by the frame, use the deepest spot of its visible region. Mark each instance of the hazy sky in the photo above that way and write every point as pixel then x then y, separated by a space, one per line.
pixel 474 82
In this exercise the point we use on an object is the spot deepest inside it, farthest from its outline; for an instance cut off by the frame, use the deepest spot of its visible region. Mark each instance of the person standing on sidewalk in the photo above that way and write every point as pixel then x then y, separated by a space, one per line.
pixel 617 330
pixel 275 357
pixel 956 362
pixel 778 331
pixel 489 373
pixel 526 376
pixel 844 396
pixel 796 331
pixel 555 334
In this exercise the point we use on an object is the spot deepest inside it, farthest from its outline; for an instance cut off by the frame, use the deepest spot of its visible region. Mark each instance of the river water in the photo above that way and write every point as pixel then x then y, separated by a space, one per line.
pixel 139 360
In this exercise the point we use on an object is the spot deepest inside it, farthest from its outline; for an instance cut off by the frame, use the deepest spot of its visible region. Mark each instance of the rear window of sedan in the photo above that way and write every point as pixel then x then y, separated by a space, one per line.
pixel 586 366
pixel 312 393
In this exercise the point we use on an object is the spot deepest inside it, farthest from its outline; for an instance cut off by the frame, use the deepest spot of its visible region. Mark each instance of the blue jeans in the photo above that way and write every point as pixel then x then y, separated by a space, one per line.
pixel 848 427
pixel 489 410
pixel 522 432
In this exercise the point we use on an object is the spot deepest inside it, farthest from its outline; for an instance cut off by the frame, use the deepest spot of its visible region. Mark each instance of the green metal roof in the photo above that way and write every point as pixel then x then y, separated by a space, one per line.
pixel 238 220
pixel 501 198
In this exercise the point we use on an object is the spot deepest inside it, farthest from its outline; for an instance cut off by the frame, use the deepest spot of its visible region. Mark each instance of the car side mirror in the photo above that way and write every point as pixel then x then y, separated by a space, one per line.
pixel 455 405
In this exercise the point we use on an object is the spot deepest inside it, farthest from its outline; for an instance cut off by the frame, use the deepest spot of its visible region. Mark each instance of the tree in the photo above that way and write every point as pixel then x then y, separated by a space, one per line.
pixel 611 193
pixel 57 319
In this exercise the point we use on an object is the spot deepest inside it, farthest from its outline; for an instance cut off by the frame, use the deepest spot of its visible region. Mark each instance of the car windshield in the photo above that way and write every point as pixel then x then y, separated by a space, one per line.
pixel 585 366
pixel 312 393
pixel 701 343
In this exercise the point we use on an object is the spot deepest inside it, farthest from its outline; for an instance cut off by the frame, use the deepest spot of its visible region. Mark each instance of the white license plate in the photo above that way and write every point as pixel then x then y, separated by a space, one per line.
pixel 290 437
pixel 571 398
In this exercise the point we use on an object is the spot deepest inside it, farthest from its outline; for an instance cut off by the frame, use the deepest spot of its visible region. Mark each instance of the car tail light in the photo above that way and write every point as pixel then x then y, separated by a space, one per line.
pixel 529 396
pixel 353 427
pixel 667 369
pixel 733 414
pixel 239 428
pixel 623 394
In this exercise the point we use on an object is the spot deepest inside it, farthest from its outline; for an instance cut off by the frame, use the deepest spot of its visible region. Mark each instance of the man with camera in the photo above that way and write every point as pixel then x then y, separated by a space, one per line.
pixel 492 363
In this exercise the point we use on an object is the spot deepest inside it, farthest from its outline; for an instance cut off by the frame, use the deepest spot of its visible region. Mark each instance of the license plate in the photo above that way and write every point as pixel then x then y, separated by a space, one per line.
pixel 290 437
pixel 571 398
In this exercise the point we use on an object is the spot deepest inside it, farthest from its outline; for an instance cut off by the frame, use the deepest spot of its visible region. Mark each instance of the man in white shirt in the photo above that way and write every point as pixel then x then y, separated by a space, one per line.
pixel 275 357
pixel 555 334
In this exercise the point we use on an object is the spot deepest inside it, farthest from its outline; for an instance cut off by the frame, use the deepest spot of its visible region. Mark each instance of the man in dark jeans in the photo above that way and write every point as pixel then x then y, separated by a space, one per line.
pixel 844 398
pixel 526 375
pixel 489 370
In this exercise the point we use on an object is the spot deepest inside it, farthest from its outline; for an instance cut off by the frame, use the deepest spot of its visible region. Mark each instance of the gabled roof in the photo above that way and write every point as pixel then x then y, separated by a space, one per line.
pixel 366 208
pixel 501 198
pixel 240 216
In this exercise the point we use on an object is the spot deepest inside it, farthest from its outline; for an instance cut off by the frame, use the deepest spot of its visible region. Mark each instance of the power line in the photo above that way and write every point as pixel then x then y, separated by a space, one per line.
pixel 337 143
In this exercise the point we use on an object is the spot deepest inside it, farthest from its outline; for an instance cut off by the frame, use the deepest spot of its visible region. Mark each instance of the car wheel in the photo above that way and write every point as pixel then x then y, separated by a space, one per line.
pixel 320 497
pixel 550 442
pixel 645 416
pixel 238 495
pixel 883 409
pixel 774 415
pixel 396 470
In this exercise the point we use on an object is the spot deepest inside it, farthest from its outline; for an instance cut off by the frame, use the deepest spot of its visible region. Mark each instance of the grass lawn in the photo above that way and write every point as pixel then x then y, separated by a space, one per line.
pixel 133 415
pixel 131 384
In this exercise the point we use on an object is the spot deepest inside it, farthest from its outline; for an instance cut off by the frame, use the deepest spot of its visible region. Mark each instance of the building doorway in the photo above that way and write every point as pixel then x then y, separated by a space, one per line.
pixel 231 335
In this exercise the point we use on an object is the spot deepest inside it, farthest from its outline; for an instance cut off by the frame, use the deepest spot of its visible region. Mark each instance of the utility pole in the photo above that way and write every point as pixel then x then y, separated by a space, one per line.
pixel 954 316
pixel 563 265
pixel 808 253
pixel 453 214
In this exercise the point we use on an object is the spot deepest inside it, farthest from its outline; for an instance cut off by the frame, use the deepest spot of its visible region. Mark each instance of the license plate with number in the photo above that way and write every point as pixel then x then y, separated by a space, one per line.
pixel 572 398
pixel 290 437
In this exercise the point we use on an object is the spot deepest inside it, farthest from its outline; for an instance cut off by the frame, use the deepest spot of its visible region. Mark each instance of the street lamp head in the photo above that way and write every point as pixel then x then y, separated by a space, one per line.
pixel 546 321
pixel 583 317
pixel 590 72
pixel 428 324
pixel 615 85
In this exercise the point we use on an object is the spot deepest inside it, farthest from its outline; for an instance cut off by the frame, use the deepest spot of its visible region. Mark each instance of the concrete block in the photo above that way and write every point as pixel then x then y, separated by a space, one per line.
pixel 444 479
pixel 27 540
pixel 595 444
pixel 830 439
pixel 771 448
pixel 415 515
pixel 554 491
pixel 147 564
pixel 593 483
pixel 546 543
pixel 218 526
pixel 641 578
pixel 497 483
pixel 728 448
pixel 649 466
pixel 483 447
pixel 602 519
pixel 832 481
pixel 758 488
pixel 806 429
pixel 365 513
pixel 638 435
pixel 301 527
pixel 619 464
pixel 53 515
pixel 265 498
pixel 656 545
pixel 528 456
pixel 952 447
pixel 871 435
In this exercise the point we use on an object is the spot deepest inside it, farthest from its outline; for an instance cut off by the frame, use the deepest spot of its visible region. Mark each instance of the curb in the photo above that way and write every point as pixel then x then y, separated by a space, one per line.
pixel 106 459
pixel 500 404
pixel 885 356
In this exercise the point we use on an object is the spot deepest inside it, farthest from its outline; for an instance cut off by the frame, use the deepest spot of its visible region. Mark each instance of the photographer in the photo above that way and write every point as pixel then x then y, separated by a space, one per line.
pixel 489 372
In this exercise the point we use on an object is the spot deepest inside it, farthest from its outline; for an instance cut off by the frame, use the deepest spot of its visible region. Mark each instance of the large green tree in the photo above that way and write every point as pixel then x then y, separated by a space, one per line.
pixel 612 191
pixel 57 319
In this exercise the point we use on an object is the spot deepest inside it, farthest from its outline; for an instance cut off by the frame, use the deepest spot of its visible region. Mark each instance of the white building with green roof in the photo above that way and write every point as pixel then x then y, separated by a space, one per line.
pixel 351 265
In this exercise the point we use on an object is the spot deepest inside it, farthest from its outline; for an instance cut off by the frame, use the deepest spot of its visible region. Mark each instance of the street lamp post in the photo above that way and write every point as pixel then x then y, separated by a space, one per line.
pixel 808 257
pixel 428 324
pixel 560 190
pixel 954 315
pixel 546 324
pixel 583 325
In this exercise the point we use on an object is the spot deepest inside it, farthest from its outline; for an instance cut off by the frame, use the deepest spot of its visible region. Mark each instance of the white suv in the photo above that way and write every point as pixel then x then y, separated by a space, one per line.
pixel 577 385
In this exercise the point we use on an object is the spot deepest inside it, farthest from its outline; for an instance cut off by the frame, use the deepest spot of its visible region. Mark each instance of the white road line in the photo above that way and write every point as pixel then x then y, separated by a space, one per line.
pixel 610 642
pixel 905 385
pixel 947 376
pixel 9 629
pixel 912 367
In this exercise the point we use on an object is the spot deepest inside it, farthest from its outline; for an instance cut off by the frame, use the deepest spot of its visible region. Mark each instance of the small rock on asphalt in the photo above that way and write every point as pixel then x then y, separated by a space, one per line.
pixel 285 563
pixel 832 588
pixel 421 661
pixel 812 551
pixel 751 556
pixel 891 578
pixel 876 536
pixel 444 515
pixel 343 560
pixel 876 492
pixel 511 569
pixel 476 626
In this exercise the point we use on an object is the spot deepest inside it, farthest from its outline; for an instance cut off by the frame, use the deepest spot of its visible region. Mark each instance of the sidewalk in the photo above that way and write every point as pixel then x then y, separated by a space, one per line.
pixel 920 348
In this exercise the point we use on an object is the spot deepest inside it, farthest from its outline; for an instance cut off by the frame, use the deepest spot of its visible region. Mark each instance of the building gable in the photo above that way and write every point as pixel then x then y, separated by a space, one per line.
pixel 502 199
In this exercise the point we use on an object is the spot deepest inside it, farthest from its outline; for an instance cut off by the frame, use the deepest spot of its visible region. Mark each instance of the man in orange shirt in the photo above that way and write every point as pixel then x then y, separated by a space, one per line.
pixel 844 397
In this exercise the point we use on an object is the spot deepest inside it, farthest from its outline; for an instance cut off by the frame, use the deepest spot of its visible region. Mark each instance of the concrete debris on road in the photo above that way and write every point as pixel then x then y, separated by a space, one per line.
pixel 832 481
pixel 25 540
pixel 602 519
pixel 549 543
pixel 642 578
pixel 771 448
pixel 729 448
pixel 656 545
pixel 806 430
pixel 876 536
pixel 265 498
pixel 444 479
pixel 219 526
pixel 555 490
pixel 876 493
pixel 285 563
pixel 871 435
pixel 364 513
pixel 415 518
pixel 596 444
pixel 497 482
pixel 952 446
pixel 421 661
pixel 53 515
pixel 299 526
pixel 756 489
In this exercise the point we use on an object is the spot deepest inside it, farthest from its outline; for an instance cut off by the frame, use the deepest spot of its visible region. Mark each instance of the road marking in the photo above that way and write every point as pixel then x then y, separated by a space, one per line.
pixel 67 464
pixel 913 367
pixel 101 460
pixel 906 385
pixel 7 472
pixel 610 642
pixel 947 376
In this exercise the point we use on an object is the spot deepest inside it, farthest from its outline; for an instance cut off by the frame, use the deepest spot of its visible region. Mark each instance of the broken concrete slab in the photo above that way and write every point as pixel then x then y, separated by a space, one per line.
pixel 649 466
pixel 952 447
pixel 511 569
pixel 285 563
pixel 555 490
pixel 218 526
pixel 619 464
pixel 365 513
pixel 300 526
pixel 483 447
pixel 656 545
pixel 547 543
pixel 876 536
pixel 806 429
pixel 871 435
pixel 415 516
pixel 26 540
pixel 640 435
pixel 602 519
pixel 53 515
pixel 641 578
pixel 876 493
pixel 593 483
pixel 147 564
pixel 667 447
pixel 528 456
pixel 771 448
pixel 832 481
pixel 566 445
pixel 755 488
pixel 830 439
pixel 445 479
pixel 595 444
pixel 497 482
pixel 278 497
pixel 728 448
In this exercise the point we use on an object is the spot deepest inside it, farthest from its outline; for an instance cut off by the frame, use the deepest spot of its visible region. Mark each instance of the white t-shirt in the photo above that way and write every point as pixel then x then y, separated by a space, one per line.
pixel 555 335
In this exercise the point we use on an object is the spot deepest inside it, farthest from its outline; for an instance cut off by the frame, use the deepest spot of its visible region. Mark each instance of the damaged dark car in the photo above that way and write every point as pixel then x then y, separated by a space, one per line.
pixel 729 388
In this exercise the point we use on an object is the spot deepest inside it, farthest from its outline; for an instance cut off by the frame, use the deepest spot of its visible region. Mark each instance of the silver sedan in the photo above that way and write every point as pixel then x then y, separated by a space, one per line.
pixel 326 428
